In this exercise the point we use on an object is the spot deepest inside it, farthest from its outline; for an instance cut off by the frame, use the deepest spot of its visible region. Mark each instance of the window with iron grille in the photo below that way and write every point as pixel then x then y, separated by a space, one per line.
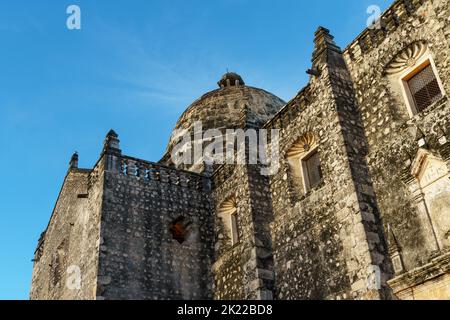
pixel 424 88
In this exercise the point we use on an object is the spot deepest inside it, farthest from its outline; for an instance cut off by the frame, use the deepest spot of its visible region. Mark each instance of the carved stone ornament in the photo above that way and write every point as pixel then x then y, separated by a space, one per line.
pixel 407 58
pixel 228 207
pixel 302 145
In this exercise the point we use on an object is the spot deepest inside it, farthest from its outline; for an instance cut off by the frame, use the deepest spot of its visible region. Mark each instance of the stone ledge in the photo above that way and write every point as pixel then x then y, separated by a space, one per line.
pixel 437 267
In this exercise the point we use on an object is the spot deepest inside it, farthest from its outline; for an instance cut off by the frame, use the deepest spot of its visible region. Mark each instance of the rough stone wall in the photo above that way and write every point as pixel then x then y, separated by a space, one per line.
pixel 327 242
pixel 307 242
pixel 262 264
pixel 392 134
pixel 229 260
pixel 139 258
pixel 245 270
pixel 71 239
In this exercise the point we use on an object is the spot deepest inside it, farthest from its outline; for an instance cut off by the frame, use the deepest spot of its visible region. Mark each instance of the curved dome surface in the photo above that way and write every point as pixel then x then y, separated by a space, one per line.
pixel 227 108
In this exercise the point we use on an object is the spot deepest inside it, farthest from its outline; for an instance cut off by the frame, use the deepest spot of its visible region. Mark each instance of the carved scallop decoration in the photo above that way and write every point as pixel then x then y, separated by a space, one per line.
pixel 302 145
pixel 407 58
pixel 228 206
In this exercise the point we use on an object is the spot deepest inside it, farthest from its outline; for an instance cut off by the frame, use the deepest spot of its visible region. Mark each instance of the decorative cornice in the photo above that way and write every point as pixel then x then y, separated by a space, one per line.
pixel 437 267
pixel 397 14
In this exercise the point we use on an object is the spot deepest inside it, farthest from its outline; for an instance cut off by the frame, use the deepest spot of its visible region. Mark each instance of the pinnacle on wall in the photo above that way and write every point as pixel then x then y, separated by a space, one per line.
pixel 112 143
pixel 323 41
pixel 112 133
pixel 73 164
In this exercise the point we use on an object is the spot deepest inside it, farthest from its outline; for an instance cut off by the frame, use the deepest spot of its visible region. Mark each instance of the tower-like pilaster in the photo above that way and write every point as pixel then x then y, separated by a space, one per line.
pixel 364 244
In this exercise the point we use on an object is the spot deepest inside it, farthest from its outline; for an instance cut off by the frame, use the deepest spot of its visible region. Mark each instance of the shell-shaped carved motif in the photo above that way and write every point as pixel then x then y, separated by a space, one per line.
pixel 407 58
pixel 228 206
pixel 305 143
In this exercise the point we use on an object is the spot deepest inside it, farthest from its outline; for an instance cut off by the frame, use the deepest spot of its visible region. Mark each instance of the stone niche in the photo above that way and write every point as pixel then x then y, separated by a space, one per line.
pixel 433 177
pixel 430 189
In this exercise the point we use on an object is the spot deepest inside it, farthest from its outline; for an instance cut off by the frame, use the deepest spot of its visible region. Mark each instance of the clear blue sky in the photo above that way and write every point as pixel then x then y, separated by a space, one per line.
pixel 134 66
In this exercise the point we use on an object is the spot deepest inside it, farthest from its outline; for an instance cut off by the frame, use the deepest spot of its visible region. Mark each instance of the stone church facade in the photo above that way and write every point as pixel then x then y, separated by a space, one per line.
pixel 359 208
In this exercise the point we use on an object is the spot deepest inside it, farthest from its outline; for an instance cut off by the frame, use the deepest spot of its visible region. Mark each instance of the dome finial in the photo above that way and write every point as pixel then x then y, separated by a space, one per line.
pixel 231 79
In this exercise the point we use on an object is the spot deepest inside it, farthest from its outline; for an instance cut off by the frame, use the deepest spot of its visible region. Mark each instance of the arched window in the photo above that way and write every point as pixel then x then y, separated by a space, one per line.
pixel 414 73
pixel 304 161
pixel 228 212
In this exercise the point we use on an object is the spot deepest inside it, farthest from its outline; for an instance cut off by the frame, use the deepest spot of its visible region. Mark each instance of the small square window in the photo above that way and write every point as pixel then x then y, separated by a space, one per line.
pixel 312 171
pixel 424 88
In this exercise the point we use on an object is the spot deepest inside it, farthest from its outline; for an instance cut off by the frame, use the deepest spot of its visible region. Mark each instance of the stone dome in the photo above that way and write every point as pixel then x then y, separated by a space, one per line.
pixel 230 107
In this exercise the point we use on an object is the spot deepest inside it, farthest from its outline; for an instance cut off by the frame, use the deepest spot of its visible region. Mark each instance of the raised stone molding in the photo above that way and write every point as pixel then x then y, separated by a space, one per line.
pixel 404 286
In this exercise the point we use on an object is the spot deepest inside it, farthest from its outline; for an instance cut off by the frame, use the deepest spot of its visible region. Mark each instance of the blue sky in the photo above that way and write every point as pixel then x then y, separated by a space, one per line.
pixel 134 66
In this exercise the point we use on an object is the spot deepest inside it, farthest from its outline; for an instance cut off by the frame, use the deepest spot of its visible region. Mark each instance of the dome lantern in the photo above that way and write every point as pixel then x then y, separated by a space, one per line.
pixel 231 79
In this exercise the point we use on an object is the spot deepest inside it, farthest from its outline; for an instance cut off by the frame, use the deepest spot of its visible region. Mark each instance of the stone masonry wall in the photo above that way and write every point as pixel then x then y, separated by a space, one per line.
pixel 71 239
pixel 328 243
pixel 307 240
pixel 116 222
pixel 245 270
pixel 139 258
pixel 229 260
pixel 392 134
